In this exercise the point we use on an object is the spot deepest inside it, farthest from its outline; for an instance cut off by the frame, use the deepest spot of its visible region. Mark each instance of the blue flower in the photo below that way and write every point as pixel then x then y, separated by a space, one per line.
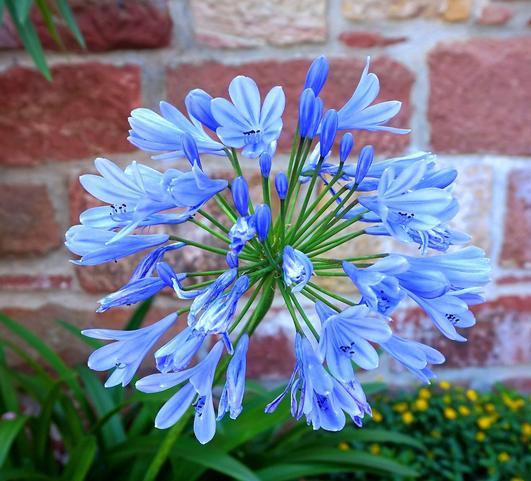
pixel 263 221
pixel 94 247
pixel 347 142
pixel 297 268
pixel 244 123
pixel 310 112
pixel 323 400
pixel 198 105
pixel 281 185
pixel 328 132
pixel 317 75
pixel 344 339
pixel 241 232
pixel 234 389
pixel 198 390
pixel 378 286
pixel 240 195
pixel 178 353
pixel 163 133
pixel 148 263
pixel 413 355
pixel 265 164
pixel 359 114
pixel 129 350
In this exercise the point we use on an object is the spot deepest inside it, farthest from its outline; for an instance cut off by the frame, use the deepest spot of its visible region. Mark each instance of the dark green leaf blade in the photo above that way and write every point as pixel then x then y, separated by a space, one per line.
pixel 9 430
pixel 68 15
pixel 81 460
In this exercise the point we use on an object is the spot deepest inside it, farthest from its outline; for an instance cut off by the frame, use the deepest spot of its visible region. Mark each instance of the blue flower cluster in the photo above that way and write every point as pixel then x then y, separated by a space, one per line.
pixel 276 247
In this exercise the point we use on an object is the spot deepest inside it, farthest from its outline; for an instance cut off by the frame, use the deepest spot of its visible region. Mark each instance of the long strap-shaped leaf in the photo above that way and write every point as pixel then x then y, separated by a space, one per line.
pixel 9 430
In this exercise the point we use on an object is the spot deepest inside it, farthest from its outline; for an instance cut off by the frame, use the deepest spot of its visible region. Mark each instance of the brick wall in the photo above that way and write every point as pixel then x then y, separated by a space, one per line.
pixel 461 67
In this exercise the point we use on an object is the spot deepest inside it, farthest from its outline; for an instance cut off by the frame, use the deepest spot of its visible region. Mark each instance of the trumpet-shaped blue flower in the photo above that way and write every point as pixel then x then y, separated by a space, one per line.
pixel 178 353
pixel 198 105
pixel 129 350
pixel 232 395
pixel 163 133
pixel 241 232
pixel 414 356
pixel 359 114
pixel 297 268
pixel 198 390
pixel 94 246
pixel 147 265
pixel 244 123
pixel 345 336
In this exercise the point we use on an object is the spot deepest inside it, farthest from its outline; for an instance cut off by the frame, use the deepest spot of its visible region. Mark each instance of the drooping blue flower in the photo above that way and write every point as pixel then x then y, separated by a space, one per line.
pixel 94 246
pixel 198 390
pixel 263 221
pixel 241 232
pixel 281 185
pixel 297 268
pixel 240 195
pixel 319 397
pixel 378 286
pixel 234 389
pixel 345 339
pixel 359 114
pixel 413 355
pixel 265 164
pixel 163 133
pixel 198 105
pixel 178 353
pixel 317 75
pixel 244 123
pixel 147 265
pixel 129 350
pixel 328 132
pixel 345 147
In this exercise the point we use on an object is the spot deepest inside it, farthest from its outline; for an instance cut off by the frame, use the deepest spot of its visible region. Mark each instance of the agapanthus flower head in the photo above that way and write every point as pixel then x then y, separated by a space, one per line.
pixel 328 199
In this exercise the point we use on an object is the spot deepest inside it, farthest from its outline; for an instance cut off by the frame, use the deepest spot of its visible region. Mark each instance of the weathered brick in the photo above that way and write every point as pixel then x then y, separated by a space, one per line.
pixel 368 39
pixel 501 337
pixel 35 282
pixel 395 80
pixel 371 10
pixel 252 23
pixel 495 15
pixel 105 25
pixel 270 356
pixel 83 112
pixel 516 250
pixel 27 220
pixel 476 87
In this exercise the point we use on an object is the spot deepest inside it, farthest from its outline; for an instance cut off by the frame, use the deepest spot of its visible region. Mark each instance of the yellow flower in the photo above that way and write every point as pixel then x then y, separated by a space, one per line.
pixel 491 408
pixel 377 416
pixel 400 407
pixel 424 393
pixel 472 395
pixel 480 436
pixel 447 399
pixel 407 418
pixel 435 434
pixel 421 405
pixel 517 479
pixel 444 385
pixel 526 429
pixel 503 457
pixel 343 446
pixel 449 413
pixel 485 422
pixel 375 448
pixel 463 410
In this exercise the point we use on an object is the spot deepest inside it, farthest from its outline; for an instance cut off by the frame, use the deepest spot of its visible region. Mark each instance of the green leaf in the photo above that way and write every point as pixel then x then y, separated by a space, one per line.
pixel 137 319
pixel 44 421
pixel 9 430
pixel 287 472
pixel 215 459
pixel 2 6
pixel 23 474
pixel 67 14
pixel 8 395
pixel 81 460
pixel 47 16
pixel 377 436
pixel 22 9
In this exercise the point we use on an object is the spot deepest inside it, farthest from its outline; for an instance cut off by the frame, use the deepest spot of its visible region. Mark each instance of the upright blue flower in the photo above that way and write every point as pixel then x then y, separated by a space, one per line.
pixel 317 75
pixel 328 132
pixel 198 105
pixel 198 389
pixel 413 355
pixel 310 111
pixel 344 339
pixel 263 221
pixel 163 133
pixel 345 147
pixel 281 185
pixel 94 246
pixel 244 123
pixel 359 114
pixel 240 195
pixel 241 232
pixel 364 163
pixel 297 268
pixel 129 350
pixel 234 389
pixel 178 353
pixel 265 164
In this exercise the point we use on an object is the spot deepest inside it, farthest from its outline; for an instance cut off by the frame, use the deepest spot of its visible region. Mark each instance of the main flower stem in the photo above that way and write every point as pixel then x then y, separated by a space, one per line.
pixel 341 240
pixel 304 316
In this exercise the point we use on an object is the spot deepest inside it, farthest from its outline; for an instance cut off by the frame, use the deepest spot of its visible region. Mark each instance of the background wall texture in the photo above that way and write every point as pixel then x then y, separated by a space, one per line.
pixel 461 67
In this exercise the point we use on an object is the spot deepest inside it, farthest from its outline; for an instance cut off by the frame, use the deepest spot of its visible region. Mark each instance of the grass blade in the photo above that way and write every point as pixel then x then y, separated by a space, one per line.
pixel 9 430
pixel 68 16
pixel 81 460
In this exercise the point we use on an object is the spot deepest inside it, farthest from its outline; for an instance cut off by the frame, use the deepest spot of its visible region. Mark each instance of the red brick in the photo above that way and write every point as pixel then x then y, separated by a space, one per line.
pixel 270 357
pixel 27 220
pixel 516 250
pixel 501 336
pixel 38 282
pixel 83 112
pixel 368 39
pixel 477 86
pixel 495 15
pixel 510 279
pixel 396 82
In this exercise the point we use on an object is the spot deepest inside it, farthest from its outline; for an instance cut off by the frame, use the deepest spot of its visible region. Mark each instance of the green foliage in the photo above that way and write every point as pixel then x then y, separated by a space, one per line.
pixel 469 436
pixel 51 12
pixel 60 423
